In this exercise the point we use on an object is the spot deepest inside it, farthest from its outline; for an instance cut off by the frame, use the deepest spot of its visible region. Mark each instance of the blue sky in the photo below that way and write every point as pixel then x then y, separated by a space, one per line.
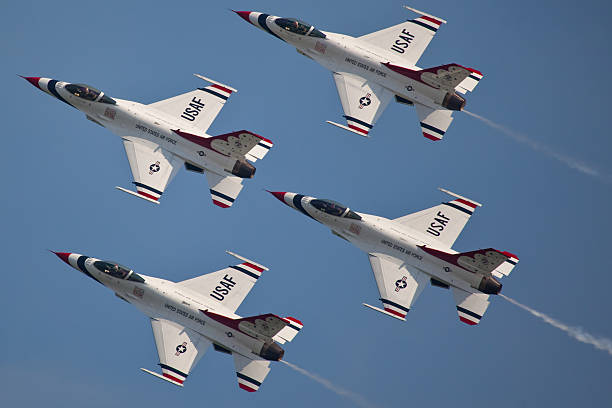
pixel 69 342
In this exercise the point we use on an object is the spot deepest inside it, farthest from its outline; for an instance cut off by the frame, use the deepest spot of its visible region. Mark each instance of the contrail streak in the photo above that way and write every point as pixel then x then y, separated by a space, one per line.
pixel 353 396
pixel 577 333
pixel 548 151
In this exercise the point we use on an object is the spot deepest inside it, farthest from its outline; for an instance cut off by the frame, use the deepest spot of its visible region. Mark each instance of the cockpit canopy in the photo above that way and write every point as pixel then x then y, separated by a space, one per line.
pixel 89 93
pixel 117 271
pixel 334 208
pixel 298 27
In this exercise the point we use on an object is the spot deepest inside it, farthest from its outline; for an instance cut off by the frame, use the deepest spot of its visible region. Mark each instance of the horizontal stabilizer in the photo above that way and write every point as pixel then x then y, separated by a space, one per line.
pixel 484 261
pixel 239 144
pixel 288 332
pixel 505 268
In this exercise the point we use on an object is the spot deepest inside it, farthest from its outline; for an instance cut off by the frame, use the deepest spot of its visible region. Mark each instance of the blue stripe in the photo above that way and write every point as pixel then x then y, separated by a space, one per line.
pixel 468 312
pixel 251 274
pixel 174 370
pixel 221 195
pixel 263 145
pixel 297 202
pixel 247 378
pixel 395 305
pixel 474 78
pixel 262 22
pixel 429 127
pixel 424 25
pixel 51 88
pixel 137 184
pixel 455 206
pixel 217 94
pixel 510 262
pixel 361 122
pixel 81 264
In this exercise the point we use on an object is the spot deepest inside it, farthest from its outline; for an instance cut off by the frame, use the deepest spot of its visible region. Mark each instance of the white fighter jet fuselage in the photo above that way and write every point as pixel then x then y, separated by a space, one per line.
pixel 409 252
pixel 171 128
pixel 375 234
pixel 374 62
pixel 189 316
pixel 163 299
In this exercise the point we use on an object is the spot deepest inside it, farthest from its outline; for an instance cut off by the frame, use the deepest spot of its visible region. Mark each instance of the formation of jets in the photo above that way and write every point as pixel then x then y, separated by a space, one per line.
pixel 406 254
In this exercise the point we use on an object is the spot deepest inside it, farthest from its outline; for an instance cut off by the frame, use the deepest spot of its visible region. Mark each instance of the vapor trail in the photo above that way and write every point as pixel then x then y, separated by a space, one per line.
pixel 353 396
pixel 548 151
pixel 577 333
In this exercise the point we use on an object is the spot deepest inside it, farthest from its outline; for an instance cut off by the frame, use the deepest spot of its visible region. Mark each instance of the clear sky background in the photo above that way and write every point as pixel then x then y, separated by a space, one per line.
pixel 69 342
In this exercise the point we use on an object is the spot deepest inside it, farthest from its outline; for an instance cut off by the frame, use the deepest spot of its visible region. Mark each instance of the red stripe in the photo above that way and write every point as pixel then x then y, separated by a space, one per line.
pixel 464 320
pixel 474 71
pixel 509 254
pixel 220 204
pixel 250 265
pixel 293 319
pixel 430 137
pixel 433 20
pixel 394 312
pixel 358 129
pixel 224 89
pixel 173 378
pixel 142 193
pixel 246 387
pixel 469 204
pixel 266 140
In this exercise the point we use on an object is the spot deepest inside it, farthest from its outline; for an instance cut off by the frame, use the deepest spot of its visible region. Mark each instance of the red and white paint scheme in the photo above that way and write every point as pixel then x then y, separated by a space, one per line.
pixel 375 68
pixel 189 316
pixel 164 136
pixel 408 253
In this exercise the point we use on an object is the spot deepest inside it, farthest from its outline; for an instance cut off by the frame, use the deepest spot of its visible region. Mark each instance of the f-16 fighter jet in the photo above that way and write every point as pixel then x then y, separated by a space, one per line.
pixel 189 316
pixel 409 252
pixel 162 137
pixel 371 70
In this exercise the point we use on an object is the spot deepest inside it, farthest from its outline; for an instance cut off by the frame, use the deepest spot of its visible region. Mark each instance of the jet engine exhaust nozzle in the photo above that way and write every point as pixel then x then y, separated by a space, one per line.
pixel 243 169
pixel 452 101
pixel 272 352
pixel 490 286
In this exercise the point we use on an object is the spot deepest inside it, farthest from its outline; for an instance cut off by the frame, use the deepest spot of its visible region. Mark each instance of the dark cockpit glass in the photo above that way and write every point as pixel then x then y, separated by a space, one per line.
pixel 117 271
pixel 89 93
pixel 334 208
pixel 298 27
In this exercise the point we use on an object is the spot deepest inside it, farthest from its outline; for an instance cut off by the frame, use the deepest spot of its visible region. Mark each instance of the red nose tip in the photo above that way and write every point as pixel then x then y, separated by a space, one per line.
pixel 63 256
pixel 243 14
pixel 32 80
pixel 278 194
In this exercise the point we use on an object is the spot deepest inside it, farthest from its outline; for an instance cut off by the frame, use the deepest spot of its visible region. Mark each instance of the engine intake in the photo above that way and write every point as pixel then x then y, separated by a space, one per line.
pixel 272 352
pixel 490 286
pixel 452 101
pixel 243 169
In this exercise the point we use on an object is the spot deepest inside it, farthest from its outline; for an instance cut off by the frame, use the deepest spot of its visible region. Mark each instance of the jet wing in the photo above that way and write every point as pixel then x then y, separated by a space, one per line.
pixel 227 286
pixel 470 306
pixel 362 101
pixel 179 350
pixel 152 167
pixel 197 109
pixel 408 40
pixel 399 284
pixel 250 373
pixel 434 122
pixel 223 189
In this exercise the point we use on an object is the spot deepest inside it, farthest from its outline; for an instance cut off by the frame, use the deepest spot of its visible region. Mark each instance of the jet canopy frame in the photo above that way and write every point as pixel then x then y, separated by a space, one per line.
pixel 334 208
pixel 117 270
pixel 298 27
pixel 89 93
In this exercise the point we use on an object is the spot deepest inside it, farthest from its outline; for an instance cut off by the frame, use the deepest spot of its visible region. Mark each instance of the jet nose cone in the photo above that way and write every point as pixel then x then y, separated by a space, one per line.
pixel 278 194
pixel 63 256
pixel 32 80
pixel 244 14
